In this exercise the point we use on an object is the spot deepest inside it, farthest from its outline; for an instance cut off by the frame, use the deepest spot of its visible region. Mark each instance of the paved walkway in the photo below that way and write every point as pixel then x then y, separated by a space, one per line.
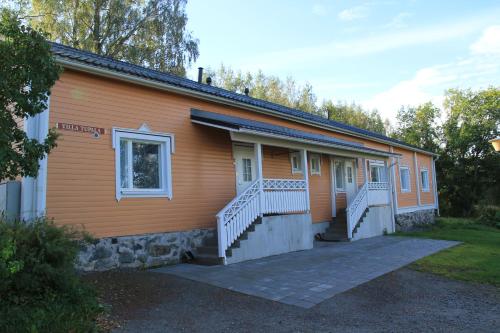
pixel 306 278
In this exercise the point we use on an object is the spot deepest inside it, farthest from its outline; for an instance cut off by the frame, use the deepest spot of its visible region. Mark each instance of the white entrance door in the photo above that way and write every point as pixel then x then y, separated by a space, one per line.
pixel 350 181
pixel 244 157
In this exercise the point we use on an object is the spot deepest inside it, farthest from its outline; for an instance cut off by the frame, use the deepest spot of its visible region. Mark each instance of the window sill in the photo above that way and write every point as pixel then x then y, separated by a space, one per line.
pixel 145 194
pixel 405 191
pixel 428 190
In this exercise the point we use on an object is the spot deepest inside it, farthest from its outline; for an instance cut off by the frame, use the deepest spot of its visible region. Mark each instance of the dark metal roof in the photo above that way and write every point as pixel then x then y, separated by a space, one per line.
pixel 95 60
pixel 237 124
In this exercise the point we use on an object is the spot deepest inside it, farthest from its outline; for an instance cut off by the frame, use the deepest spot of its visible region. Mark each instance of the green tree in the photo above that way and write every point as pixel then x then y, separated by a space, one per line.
pixel 27 72
pixel 150 33
pixel 268 88
pixel 468 167
pixel 417 126
pixel 354 115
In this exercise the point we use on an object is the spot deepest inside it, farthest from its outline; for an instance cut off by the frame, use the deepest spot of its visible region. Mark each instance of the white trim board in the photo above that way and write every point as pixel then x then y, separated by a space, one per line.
pixel 165 140
pixel 269 140
pixel 412 209
pixel 34 190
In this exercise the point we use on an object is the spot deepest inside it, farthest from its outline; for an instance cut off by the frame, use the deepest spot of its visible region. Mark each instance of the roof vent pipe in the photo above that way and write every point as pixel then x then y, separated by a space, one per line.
pixel 209 80
pixel 200 74
pixel 247 91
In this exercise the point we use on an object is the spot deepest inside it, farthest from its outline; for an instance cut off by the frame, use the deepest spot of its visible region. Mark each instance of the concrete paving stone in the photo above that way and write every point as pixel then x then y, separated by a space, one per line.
pixel 306 278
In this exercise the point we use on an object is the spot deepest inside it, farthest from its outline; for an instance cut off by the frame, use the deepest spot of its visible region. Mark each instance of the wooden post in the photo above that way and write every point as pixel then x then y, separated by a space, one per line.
pixel 333 189
pixel 260 177
pixel 365 173
pixel 305 173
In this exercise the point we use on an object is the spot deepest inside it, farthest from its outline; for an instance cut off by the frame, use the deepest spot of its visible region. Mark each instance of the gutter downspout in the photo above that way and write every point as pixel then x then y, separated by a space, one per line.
pixel 434 184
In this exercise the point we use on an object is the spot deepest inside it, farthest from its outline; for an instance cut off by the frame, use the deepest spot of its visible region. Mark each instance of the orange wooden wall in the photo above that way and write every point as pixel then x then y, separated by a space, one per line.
pixel 320 192
pixel 81 170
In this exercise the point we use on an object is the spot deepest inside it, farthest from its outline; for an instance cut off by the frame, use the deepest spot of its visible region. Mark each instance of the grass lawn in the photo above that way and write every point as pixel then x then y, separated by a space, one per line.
pixel 477 259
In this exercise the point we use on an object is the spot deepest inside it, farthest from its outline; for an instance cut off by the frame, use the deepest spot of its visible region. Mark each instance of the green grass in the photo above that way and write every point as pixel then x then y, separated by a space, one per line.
pixel 477 259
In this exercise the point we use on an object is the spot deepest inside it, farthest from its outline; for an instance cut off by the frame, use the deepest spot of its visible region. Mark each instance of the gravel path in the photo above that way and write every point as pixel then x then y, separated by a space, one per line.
pixel 401 301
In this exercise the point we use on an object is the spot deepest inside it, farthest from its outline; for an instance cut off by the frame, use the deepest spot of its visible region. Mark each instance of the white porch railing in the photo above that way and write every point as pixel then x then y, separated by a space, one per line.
pixel 263 196
pixel 378 193
pixel 284 196
pixel 370 194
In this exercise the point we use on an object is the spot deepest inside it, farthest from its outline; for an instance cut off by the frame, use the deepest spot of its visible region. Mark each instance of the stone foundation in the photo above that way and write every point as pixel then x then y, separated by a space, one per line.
pixel 140 251
pixel 414 220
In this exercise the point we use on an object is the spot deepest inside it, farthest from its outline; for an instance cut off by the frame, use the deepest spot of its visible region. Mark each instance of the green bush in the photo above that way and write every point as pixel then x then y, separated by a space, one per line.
pixel 489 215
pixel 39 288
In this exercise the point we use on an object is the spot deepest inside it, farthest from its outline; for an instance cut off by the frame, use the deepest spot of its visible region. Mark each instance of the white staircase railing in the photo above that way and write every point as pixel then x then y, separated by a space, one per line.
pixel 370 194
pixel 356 209
pixel 263 196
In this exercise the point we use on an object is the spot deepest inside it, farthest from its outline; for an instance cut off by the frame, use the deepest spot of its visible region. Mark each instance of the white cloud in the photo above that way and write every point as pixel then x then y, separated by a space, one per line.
pixel 353 13
pixel 478 70
pixel 290 58
pixel 399 21
pixel 319 10
pixel 489 43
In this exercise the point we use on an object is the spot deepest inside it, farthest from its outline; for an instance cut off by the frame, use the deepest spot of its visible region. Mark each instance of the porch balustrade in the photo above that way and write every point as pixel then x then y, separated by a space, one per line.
pixel 263 196
pixel 370 194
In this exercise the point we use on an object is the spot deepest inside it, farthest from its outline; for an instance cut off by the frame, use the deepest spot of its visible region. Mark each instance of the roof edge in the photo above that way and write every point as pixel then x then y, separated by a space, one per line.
pixel 93 69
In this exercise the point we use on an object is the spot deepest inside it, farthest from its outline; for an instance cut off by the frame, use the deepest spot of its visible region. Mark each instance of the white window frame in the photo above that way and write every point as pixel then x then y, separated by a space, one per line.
pixel 428 188
pixel 316 157
pixel 380 166
pixel 342 166
pixel 403 190
pixel 299 159
pixel 166 142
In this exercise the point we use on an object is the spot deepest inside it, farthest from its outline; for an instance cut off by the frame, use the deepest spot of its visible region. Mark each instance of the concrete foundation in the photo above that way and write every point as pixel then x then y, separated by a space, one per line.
pixel 415 220
pixel 275 235
pixel 140 251
pixel 320 227
pixel 377 222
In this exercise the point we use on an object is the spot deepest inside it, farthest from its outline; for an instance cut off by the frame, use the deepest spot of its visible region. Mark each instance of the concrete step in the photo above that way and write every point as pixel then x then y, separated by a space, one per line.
pixel 208 253
pixel 208 250
pixel 361 220
pixel 213 241
pixel 206 260
pixel 334 237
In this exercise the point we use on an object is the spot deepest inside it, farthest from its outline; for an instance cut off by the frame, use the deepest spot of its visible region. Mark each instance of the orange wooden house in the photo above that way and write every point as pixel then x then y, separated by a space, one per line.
pixel 158 167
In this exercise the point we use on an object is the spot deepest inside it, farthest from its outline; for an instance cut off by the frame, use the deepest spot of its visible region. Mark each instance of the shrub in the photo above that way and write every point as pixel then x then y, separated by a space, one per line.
pixel 488 215
pixel 39 288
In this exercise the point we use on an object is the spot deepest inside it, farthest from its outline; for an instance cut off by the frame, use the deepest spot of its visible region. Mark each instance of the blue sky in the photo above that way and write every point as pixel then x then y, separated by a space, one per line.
pixel 381 54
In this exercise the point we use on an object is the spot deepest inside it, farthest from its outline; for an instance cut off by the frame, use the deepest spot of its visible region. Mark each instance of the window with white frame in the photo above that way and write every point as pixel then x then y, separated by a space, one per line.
pixel 424 179
pixel 296 162
pixel 339 176
pixel 247 169
pixel 377 172
pixel 143 164
pixel 315 161
pixel 404 177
